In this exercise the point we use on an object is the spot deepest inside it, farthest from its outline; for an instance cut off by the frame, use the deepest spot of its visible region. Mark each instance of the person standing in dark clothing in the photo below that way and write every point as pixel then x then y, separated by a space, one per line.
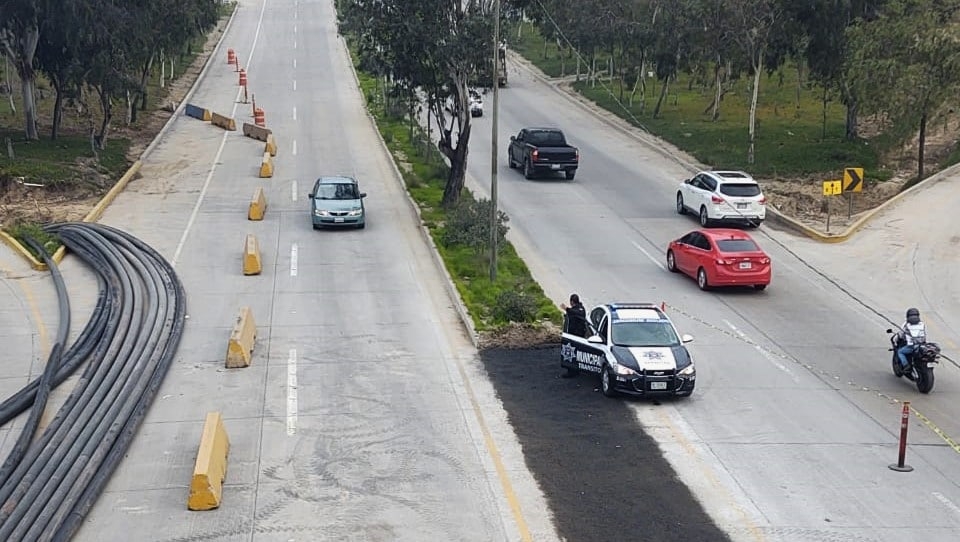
pixel 576 316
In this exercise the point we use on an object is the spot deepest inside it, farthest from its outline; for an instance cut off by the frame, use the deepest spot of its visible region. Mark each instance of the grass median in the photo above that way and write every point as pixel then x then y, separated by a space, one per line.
pixel 515 297
pixel 798 134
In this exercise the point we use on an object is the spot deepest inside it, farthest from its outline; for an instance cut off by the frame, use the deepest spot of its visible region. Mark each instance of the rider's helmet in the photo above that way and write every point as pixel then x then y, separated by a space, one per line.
pixel 913 316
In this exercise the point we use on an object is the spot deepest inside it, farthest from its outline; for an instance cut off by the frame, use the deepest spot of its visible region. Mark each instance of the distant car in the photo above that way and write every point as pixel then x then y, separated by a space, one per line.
pixel 720 257
pixel 337 201
pixel 722 196
pixel 543 150
pixel 476 103
pixel 636 350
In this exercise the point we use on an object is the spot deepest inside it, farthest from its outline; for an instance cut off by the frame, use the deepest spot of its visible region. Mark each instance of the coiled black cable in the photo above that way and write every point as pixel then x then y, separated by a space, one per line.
pixel 129 344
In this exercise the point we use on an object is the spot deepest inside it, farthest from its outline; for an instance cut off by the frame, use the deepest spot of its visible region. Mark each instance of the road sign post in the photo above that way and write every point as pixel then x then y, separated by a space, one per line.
pixel 831 188
pixel 852 182
pixel 900 465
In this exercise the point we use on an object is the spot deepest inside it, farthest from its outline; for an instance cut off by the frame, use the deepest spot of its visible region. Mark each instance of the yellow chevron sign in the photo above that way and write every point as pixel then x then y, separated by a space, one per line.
pixel 853 179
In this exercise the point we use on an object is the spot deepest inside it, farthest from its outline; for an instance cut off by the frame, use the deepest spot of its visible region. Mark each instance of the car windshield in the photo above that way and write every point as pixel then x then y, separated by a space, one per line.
pixel 644 333
pixel 337 191
pixel 544 138
pixel 740 190
pixel 737 245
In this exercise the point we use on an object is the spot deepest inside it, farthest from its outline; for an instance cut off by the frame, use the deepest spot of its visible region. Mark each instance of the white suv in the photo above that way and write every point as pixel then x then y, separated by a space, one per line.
pixel 722 196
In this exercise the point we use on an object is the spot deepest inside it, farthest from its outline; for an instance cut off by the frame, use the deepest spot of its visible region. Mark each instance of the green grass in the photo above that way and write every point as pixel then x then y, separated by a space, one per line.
pixel 55 162
pixel 424 173
pixel 791 141
pixel 49 241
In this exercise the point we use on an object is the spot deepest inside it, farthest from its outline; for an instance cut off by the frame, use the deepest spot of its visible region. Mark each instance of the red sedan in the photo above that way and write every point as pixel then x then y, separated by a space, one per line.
pixel 720 257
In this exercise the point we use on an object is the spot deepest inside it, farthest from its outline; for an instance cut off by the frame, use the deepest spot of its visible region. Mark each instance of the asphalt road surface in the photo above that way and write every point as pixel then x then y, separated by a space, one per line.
pixel 364 414
pixel 795 419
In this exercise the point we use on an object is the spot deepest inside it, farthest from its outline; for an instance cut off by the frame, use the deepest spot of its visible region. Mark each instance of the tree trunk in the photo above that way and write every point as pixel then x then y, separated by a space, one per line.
pixel 921 143
pixel 107 109
pixel 663 94
pixel 757 69
pixel 57 107
pixel 718 91
pixel 458 167
pixel 823 130
pixel 144 76
pixel 853 130
pixel 21 51
pixel 799 81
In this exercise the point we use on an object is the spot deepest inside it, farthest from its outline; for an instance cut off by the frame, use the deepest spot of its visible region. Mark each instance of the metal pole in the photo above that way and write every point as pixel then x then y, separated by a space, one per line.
pixel 493 138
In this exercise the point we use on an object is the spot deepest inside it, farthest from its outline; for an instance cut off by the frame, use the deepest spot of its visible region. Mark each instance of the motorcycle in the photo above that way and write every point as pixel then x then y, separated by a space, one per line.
pixel 920 363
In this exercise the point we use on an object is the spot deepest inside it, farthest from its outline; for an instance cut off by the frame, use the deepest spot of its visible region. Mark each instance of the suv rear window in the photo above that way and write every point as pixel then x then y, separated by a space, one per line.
pixel 737 245
pixel 741 190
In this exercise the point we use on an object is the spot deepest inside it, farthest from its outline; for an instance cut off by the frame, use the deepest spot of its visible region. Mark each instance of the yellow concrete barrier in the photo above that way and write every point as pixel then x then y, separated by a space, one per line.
pixel 256 132
pixel 251 256
pixel 258 205
pixel 266 166
pixel 242 340
pixel 224 122
pixel 271 145
pixel 206 486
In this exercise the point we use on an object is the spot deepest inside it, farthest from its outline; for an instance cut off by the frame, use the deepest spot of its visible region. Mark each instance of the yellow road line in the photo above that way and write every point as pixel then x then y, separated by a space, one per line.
pixel 502 475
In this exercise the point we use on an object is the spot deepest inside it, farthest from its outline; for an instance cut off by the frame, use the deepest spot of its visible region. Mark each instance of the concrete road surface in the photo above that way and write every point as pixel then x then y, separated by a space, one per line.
pixel 795 418
pixel 364 415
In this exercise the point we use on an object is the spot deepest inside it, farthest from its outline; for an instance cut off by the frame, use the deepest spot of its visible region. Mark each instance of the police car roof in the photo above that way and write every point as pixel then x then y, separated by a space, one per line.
pixel 636 311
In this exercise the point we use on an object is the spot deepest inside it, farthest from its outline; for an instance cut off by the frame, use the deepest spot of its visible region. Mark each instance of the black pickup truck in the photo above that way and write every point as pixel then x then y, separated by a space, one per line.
pixel 542 150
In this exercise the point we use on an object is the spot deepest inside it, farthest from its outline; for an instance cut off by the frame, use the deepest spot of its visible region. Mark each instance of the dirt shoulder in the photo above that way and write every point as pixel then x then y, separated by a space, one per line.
pixel 21 202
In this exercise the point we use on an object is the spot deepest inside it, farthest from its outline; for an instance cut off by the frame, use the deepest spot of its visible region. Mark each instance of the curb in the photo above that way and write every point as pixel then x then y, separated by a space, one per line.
pixel 658 145
pixel 186 97
pixel 97 212
pixel 450 286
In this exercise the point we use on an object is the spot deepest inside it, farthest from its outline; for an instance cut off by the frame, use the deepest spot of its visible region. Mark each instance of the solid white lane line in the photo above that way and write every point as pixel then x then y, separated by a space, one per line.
pixel 293 260
pixel 764 352
pixel 294 113
pixel 293 151
pixel 216 158
pixel 292 392
pixel 648 255
pixel 293 189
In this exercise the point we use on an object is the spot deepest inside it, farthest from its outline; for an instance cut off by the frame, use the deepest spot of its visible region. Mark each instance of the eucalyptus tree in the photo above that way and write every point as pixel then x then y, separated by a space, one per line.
pixel 825 23
pixel 19 38
pixel 755 24
pixel 905 65
pixel 433 48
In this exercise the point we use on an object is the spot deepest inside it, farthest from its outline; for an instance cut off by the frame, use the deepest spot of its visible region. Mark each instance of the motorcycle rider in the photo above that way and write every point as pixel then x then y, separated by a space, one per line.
pixel 911 333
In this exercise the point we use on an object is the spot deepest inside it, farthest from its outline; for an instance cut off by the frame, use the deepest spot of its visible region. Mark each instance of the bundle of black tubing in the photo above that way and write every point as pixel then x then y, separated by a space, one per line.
pixel 48 486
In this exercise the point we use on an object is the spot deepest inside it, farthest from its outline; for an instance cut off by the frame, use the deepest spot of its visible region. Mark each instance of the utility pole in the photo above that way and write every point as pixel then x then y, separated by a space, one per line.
pixel 493 140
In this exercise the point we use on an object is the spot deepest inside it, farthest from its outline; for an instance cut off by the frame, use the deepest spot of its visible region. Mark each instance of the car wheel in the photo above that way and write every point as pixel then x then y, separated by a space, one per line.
pixel 510 163
pixel 704 217
pixel 671 262
pixel 567 372
pixel 606 382
pixel 361 225
pixel 760 287
pixel 571 174
pixel 316 227
pixel 702 279
pixel 681 209
pixel 527 169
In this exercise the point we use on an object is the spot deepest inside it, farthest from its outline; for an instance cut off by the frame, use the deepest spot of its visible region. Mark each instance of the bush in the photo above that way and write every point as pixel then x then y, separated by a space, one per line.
pixel 23 230
pixel 515 306
pixel 468 224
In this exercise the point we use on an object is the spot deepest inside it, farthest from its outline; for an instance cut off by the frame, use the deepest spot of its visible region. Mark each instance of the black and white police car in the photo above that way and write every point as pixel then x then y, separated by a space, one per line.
pixel 635 348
